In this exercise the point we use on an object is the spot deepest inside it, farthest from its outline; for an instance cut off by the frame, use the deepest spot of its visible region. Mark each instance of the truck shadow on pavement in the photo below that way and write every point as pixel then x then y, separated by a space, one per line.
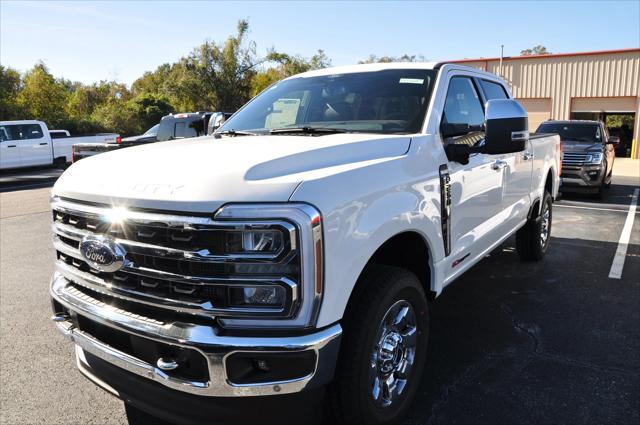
pixel 549 342
pixel 28 178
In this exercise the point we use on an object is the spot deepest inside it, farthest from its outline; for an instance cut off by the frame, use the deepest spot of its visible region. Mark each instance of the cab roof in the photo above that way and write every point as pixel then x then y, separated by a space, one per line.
pixel 373 67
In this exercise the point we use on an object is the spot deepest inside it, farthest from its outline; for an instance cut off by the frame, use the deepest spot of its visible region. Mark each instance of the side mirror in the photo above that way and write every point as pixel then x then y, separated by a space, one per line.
pixel 216 120
pixel 613 140
pixel 506 127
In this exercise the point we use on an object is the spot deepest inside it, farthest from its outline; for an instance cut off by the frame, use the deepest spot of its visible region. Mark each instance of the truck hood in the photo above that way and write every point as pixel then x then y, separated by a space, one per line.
pixel 578 147
pixel 202 174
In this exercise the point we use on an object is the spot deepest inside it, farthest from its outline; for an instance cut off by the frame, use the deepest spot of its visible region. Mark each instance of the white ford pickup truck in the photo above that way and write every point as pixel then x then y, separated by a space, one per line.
pixel 29 143
pixel 286 263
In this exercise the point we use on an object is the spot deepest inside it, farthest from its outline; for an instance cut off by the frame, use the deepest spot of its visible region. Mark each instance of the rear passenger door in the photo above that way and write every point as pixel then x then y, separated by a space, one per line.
pixel 34 145
pixel 476 187
pixel 518 167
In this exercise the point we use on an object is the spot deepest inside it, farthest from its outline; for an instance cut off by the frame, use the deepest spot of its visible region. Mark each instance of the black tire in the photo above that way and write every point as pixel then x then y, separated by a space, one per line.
pixel 60 163
pixel 136 416
pixel 530 241
pixel 351 395
pixel 599 194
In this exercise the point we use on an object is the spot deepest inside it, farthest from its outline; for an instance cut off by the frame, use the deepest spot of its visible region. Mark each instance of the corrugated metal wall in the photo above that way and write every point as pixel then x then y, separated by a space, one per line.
pixel 564 77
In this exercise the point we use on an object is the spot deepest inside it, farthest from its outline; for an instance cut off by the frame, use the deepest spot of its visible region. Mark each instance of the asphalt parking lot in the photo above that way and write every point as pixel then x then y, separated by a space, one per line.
pixel 541 343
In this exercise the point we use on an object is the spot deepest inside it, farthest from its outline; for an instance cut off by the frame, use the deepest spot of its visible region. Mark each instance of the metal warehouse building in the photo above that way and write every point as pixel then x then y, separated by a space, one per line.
pixel 601 85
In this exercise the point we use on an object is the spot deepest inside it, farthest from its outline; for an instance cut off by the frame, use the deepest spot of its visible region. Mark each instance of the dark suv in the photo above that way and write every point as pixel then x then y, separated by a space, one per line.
pixel 587 163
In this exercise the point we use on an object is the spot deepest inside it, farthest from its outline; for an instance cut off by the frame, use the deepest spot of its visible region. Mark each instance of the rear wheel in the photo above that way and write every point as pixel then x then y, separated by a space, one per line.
pixel 533 239
pixel 383 349
pixel 60 163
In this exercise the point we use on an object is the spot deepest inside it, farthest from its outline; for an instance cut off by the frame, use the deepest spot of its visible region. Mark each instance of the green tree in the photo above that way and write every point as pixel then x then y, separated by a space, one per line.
pixel 536 50
pixel 10 85
pixel 387 59
pixel 149 109
pixel 221 74
pixel 42 97
pixel 154 82
pixel 287 65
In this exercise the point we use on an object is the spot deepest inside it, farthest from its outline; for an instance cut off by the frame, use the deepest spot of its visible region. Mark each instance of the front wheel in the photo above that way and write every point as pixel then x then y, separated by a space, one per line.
pixel 533 239
pixel 383 349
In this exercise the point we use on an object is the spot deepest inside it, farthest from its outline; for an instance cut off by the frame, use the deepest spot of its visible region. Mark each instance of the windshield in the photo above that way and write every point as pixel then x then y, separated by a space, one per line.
pixel 588 133
pixel 389 101
pixel 152 131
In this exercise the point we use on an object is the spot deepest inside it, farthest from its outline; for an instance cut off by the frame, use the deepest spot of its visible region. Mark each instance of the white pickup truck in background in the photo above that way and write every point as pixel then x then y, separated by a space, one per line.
pixel 231 279
pixel 29 143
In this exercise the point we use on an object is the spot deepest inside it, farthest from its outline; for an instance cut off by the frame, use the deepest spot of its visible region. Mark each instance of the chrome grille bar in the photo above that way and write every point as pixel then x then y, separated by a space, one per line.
pixel 575 159
pixel 207 309
pixel 205 292
pixel 156 250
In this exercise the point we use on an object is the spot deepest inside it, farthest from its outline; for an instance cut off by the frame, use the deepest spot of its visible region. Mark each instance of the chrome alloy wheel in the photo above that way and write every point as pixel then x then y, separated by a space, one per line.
pixel 394 353
pixel 545 225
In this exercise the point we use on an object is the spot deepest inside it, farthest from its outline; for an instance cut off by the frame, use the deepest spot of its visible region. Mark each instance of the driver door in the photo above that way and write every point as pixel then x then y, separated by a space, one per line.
pixel 477 187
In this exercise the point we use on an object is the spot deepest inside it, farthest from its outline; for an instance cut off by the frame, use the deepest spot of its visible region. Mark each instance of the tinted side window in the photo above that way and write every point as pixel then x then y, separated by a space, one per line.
pixel 24 131
pixel 493 90
pixel 5 133
pixel 179 130
pixel 462 104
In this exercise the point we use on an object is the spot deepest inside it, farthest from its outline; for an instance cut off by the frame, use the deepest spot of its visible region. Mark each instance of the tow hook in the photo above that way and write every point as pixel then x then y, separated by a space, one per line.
pixel 60 317
pixel 167 364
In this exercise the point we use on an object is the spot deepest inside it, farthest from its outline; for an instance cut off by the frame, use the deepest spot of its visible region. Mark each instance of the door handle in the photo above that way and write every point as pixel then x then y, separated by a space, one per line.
pixel 498 165
pixel 44 144
pixel 11 146
pixel 527 156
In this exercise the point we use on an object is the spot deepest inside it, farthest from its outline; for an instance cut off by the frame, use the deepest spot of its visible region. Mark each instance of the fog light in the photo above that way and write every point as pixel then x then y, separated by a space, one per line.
pixel 257 296
pixel 593 174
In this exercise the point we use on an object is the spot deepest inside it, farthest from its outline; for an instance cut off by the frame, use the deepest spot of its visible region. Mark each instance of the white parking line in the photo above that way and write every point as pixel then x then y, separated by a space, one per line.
pixel 623 243
pixel 588 208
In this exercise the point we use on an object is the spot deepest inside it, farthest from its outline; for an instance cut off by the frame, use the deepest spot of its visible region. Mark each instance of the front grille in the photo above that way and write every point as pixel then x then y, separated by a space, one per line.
pixel 180 263
pixel 575 159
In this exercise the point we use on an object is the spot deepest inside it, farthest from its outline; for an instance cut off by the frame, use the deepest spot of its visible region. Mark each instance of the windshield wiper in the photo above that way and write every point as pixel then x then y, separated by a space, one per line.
pixel 234 133
pixel 308 130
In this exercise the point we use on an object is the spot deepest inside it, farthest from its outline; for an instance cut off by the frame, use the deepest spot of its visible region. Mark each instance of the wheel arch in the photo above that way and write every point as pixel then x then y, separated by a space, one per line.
pixel 408 250
pixel 536 203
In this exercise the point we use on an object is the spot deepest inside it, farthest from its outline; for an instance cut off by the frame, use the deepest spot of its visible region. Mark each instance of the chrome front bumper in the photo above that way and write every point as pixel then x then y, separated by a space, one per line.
pixel 204 339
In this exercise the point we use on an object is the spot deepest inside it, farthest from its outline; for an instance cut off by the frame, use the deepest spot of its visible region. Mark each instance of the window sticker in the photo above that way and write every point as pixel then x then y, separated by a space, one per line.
pixel 411 80
pixel 285 112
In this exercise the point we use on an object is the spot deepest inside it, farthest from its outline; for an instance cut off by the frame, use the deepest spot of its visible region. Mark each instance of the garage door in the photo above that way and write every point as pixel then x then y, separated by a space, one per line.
pixel 603 104
pixel 539 110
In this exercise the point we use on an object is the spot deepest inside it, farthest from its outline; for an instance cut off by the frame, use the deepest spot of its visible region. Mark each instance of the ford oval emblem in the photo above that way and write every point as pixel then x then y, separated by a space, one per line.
pixel 102 253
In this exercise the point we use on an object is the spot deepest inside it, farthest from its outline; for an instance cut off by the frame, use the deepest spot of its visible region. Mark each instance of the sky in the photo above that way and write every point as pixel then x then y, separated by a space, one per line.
pixel 92 41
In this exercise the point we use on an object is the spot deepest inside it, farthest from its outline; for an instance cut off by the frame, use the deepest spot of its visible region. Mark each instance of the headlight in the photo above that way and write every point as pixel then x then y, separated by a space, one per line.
pixel 596 158
pixel 274 240
pixel 254 241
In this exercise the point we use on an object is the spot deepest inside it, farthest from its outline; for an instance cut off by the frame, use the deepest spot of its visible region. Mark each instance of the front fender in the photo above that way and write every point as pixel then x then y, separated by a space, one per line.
pixel 362 209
